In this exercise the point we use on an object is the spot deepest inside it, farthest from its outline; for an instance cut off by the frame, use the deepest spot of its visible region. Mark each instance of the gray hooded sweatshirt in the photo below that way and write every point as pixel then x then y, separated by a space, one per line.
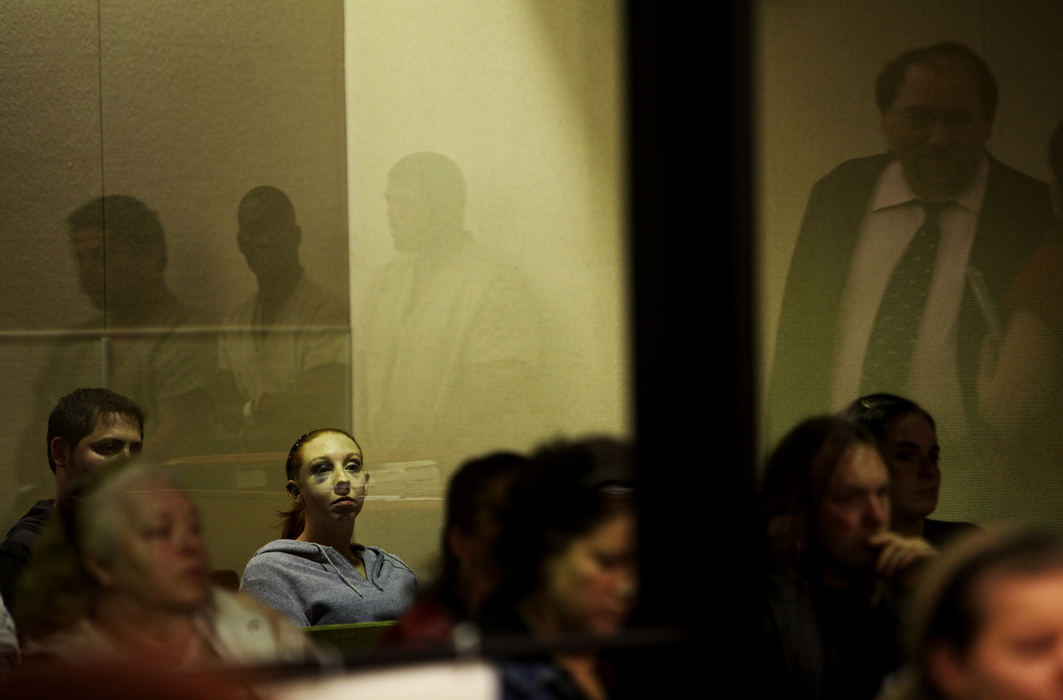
pixel 312 584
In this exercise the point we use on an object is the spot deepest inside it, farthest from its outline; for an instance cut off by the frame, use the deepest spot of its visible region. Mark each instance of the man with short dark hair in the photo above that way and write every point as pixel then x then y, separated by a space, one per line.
pixel 903 257
pixel 87 429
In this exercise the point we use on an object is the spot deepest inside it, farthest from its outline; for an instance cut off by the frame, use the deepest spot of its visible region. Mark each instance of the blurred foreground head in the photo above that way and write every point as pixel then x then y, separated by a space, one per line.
pixel 825 495
pixel 476 498
pixel 988 620
pixel 567 546
pixel 125 542
pixel 120 581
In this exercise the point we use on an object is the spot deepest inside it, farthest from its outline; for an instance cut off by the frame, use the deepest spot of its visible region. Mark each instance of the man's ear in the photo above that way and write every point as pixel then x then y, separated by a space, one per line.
pixel 946 670
pixel 98 569
pixel 293 490
pixel 60 452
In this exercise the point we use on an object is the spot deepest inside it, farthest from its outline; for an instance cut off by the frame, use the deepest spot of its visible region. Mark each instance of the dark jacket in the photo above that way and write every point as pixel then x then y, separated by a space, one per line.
pixel 17 548
pixel 1015 215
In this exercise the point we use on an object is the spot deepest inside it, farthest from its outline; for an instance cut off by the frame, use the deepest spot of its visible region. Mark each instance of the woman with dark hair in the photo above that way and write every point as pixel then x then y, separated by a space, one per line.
pixel 834 570
pixel 987 622
pixel 568 562
pixel 476 495
pixel 314 574
pixel 907 436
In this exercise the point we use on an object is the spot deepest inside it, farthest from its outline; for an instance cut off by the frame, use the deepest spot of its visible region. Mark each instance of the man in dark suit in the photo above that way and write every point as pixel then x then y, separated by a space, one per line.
pixel 860 227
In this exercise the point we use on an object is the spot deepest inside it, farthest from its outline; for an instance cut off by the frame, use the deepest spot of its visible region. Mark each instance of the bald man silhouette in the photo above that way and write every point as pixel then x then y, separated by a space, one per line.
pixel 451 338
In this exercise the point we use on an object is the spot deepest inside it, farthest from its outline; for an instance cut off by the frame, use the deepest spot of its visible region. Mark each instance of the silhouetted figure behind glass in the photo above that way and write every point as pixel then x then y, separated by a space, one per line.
pixel 863 252
pixel 142 345
pixel 451 334
pixel 283 355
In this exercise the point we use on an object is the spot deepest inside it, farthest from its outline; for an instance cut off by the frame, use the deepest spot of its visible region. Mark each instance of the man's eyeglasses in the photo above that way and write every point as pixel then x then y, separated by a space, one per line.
pixel 918 118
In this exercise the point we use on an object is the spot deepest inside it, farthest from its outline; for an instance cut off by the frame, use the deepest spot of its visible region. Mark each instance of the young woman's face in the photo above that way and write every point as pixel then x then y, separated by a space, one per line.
pixel 1018 654
pixel 591 585
pixel 331 481
pixel 158 558
pixel 911 447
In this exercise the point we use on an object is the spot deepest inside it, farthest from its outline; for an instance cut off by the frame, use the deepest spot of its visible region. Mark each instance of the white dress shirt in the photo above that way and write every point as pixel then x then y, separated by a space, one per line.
pixel 893 217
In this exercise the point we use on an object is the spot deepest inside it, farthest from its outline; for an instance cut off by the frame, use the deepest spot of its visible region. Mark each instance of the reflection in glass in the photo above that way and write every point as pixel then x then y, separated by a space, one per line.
pixel 230 324
pixel 283 354
pixel 141 343
pixel 837 225
pixel 451 341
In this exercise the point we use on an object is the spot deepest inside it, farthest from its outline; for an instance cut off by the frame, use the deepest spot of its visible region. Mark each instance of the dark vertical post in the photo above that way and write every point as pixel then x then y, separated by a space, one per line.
pixel 691 256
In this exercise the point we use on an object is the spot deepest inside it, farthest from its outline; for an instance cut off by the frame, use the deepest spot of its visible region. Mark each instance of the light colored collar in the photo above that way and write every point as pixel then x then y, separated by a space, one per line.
pixel 893 190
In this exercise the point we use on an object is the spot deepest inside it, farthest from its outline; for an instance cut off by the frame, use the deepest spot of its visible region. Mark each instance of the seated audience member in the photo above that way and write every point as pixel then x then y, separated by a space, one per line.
pixel 988 621
pixel 907 436
pixel 87 429
pixel 568 561
pixel 314 574
pixel 475 496
pixel 120 578
pixel 835 570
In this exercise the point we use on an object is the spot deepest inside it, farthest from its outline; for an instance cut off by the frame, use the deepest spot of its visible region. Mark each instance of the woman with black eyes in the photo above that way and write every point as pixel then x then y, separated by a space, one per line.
pixel 314 574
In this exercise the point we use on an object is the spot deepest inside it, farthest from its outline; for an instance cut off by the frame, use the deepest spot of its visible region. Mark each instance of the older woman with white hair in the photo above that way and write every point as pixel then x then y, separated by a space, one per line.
pixel 121 576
